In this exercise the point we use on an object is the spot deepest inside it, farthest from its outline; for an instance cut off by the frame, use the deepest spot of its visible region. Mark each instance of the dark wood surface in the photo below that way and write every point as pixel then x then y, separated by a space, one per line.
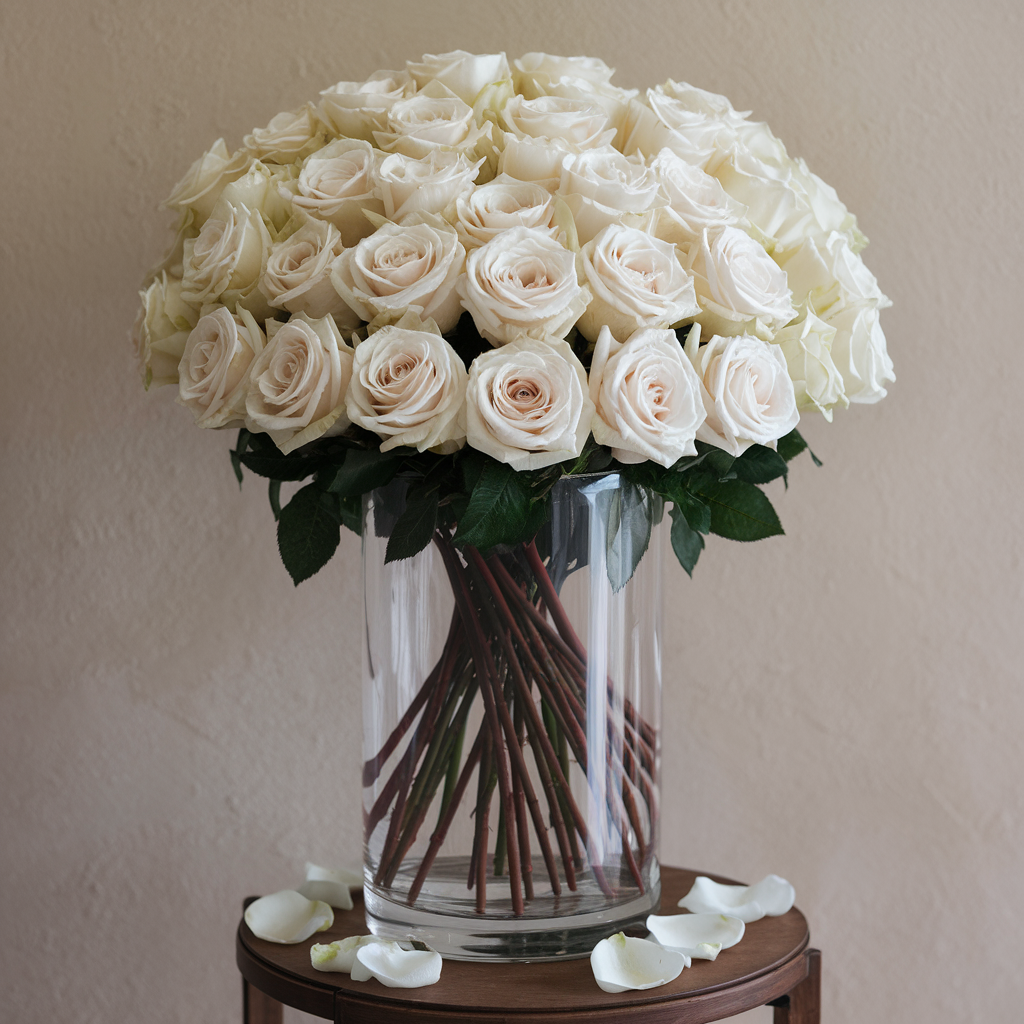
pixel 771 960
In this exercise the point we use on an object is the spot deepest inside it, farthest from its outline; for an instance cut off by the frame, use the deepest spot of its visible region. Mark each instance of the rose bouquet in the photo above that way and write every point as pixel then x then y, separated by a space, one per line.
pixel 456 285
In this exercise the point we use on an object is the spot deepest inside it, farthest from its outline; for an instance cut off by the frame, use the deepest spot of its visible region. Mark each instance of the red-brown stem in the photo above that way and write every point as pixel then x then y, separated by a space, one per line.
pixel 557 612
pixel 484 788
pixel 372 768
pixel 617 811
pixel 483 815
pixel 449 816
pixel 491 693
pixel 522 822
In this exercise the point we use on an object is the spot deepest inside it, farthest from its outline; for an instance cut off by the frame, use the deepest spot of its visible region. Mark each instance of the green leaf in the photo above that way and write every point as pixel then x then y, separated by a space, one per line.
pixel 277 466
pixel 739 510
pixel 350 512
pixel 274 492
pixel 790 446
pixel 362 471
pixel 499 509
pixel 686 542
pixel 307 533
pixel 698 515
pixel 236 454
pixel 415 526
pixel 759 465
pixel 716 460
pixel 628 532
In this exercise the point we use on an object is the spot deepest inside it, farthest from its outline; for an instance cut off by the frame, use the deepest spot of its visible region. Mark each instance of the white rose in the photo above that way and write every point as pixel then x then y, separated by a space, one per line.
pixel 828 275
pixel 226 261
pixel 636 280
pixel 338 183
pixel 201 186
pixel 603 187
pixel 646 396
pixel 409 387
pixel 214 370
pixel 430 185
pixel 261 188
pixel 527 404
pixel 740 288
pixel 696 201
pixel 355 110
pixel 290 136
pixel 466 74
pixel 400 268
pixel 298 274
pixel 297 384
pixel 161 330
pixel 807 345
pixel 522 282
pixel 860 354
pixel 502 204
pixel 696 125
pixel 433 119
pixel 748 395
pixel 539 133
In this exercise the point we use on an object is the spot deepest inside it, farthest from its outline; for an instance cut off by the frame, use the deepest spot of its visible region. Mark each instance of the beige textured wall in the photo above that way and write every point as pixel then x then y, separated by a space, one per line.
pixel 178 725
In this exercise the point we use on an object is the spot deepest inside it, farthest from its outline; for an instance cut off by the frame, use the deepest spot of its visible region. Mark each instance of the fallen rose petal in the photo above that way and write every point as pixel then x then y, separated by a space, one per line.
pixel 340 955
pixel 699 936
pixel 770 897
pixel 620 964
pixel 333 886
pixel 396 967
pixel 287 917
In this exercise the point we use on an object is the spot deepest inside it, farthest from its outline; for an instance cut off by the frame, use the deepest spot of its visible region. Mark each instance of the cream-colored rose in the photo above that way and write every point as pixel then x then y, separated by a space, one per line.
pixel 214 371
pixel 433 119
pixel 636 281
pixel 527 404
pixel 860 354
pixel 807 343
pixel 266 188
pixel 696 202
pixel 290 136
pixel 646 396
pixel 522 282
pixel 502 204
pixel 201 186
pixel 740 288
pixel 828 275
pixel 431 185
pixel 465 74
pixel 297 384
pixel 355 110
pixel 698 126
pixel 338 183
pixel 537 134
pixel 409 387
pixel 225 263
pixel 400 268
pixel 298 274
pixel 747 392
pixel 603 187
pixel 161 330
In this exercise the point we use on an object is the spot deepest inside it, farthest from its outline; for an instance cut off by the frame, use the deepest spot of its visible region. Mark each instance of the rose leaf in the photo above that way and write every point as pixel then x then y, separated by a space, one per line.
pixel 739 511
pixel 686 542
pixel 415 526
pixel 363 471
pixel 629 532
pixel 758 465
pixel 499 509
pixel 307 534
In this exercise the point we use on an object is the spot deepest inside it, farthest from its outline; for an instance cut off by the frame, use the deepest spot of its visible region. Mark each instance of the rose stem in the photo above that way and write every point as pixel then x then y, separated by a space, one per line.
pixel 500 842
pixel 402 776
pixel 447 818
pixel 617 814
pixel 554 606
pixel 556 736
pixel 488 687
pixel 424 794
pixel 522 823
pixel 452 775
pixel 485 783
pixel 372 768
pixel 631 811
pixel 645 727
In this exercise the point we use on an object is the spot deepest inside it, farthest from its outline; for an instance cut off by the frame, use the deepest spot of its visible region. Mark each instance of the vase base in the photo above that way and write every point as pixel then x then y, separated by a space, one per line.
pixel 552 927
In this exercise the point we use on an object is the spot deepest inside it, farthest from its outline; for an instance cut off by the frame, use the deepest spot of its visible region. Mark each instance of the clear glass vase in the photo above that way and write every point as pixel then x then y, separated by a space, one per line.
pixel 511 714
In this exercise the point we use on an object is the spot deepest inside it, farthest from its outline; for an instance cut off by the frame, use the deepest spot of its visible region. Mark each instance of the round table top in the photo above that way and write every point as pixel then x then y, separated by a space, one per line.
pixel 763 966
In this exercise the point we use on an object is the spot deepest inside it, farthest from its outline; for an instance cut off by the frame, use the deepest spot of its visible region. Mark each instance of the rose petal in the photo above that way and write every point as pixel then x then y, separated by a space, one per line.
pixel 332 886
pixel 621 964
pixel 287 917
pixel 340 955
pixel 699 936
pixel 395 967
pixel 770 897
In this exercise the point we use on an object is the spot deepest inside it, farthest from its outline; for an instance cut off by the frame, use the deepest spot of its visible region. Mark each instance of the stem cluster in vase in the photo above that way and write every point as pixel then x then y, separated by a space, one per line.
pixel 511 641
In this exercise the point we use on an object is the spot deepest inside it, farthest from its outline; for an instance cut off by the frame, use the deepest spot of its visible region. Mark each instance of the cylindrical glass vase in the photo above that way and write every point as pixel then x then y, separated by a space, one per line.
pixel 511 714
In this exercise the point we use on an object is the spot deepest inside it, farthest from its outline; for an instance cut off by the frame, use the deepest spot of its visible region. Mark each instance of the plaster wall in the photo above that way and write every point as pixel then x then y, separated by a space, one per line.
pixel 179 726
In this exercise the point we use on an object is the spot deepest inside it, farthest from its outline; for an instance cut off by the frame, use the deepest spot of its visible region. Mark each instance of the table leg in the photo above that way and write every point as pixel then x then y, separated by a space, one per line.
pixel 802 1004
pixel 258 1007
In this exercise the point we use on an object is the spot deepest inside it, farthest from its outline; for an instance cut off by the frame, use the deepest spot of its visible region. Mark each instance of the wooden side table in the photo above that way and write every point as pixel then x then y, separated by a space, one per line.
pixel 771 965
